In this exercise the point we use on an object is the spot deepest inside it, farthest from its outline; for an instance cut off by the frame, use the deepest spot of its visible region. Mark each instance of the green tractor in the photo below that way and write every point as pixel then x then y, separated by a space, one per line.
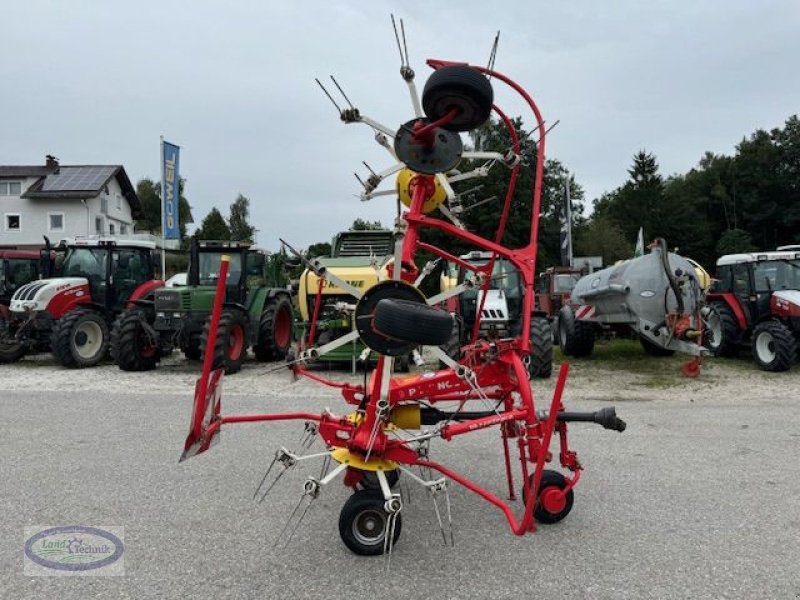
pixel 255 313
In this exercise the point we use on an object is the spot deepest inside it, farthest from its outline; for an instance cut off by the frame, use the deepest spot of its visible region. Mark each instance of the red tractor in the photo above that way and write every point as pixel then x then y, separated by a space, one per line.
pixel 70 314
pixel 755 301
pixel 553 289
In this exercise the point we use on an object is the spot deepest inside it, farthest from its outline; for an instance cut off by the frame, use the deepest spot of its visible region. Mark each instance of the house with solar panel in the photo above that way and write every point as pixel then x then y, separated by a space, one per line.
pixel 62 201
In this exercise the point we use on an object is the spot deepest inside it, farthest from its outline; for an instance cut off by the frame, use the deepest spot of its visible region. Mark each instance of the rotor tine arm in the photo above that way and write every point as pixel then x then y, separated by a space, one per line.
pixel 313 353
pixel 454 219
pixel 459 289
pixel 444 357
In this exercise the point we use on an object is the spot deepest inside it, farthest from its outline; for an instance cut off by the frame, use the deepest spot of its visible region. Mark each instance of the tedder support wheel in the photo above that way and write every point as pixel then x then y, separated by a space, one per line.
pixel 411 321
pixel 575 337
pixel 541 365
pixel 275 329
pixel 462 88
pixel 654 349
pixel 231 347
pixel 774 346
pixel 370 480
pixel 551 504
pixel 723 333
pixel 363 523
pixel 80 339
pixel 132 348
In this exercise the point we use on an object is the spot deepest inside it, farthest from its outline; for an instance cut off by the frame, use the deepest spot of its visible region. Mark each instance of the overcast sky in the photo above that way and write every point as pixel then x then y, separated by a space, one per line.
pixel 232 83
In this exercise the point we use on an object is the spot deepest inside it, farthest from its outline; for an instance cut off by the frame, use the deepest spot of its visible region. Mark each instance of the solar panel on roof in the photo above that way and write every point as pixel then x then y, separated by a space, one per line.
pixel 77 179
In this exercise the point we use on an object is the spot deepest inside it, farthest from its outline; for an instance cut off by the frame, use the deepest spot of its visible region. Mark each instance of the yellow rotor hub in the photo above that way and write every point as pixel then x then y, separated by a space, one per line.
pixel 344 456
pixel 404 178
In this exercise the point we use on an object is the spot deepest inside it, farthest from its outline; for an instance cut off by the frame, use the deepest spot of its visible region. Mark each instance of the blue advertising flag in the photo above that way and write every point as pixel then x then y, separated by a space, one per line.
pixel 170 191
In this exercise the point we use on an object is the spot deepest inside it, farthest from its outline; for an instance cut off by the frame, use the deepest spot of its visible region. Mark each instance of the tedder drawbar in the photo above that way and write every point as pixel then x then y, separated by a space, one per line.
pixel 393 419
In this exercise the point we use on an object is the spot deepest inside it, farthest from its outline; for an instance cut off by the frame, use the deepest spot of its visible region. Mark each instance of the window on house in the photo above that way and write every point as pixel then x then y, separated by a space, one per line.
pixel 10 188
pixel 123 229
pixel 111 229
pixel 98 225
pixel 55 221
pixel 104 205
pixel 119 202
pixel 13 222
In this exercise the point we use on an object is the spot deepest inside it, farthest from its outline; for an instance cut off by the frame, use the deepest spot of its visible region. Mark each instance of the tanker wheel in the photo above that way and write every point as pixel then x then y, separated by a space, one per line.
pixel 363 523
pixel 230 348
pixel 774 346
pixel 723 333
pixel 131 346
pixel 275 329
pixel 552 505
pixel 80 339
pixel 462 88
pixel 575 337
pixel 370 479
pixel 654 349
pixel 541 359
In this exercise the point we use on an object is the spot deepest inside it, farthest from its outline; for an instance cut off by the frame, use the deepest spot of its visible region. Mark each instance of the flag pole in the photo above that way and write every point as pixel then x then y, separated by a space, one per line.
pixel 569 225
pixel 163 216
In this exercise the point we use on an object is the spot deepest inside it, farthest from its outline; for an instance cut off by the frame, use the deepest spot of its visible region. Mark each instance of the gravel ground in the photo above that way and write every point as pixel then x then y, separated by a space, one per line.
pixel 697 499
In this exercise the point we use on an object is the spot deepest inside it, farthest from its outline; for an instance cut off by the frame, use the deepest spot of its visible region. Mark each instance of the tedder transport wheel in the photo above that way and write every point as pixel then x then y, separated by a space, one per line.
pixel 80 339
pixel 723 331
pixel 551 504
pixel 11 350
pixel 231 347
pixel 131 346
pixel 654 349
pixel 575 337
pixel 541 365
pixel 370 480
pixel 460 87
pixel 774 346
pixel 275 329
pixel 413 322
pixel 363 523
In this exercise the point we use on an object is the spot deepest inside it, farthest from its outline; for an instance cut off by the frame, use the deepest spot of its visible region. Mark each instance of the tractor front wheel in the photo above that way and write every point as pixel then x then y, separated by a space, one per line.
pixel 230 349
pixel 11 350
pixel 275 329
pixel 80 339
pixel 364 523
pixel 132 346
pixel 541 358
pixel 774 346
pixel 723 333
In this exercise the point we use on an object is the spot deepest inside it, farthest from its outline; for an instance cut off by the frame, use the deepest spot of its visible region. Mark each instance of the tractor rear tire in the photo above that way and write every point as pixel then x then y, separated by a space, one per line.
pixel 230 348
pixel 80 339
pixel 460 87
pixel 774 346
pixel 363 523
pixel 654 349
pixel 131 347
pixel 275 329
pixel 415 322
pixel 541 358
pixel 723 329
pixel 576 337
pixel 10 349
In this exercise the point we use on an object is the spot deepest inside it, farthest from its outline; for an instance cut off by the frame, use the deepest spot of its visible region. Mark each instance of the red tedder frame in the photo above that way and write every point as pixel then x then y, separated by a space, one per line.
pixel 498 368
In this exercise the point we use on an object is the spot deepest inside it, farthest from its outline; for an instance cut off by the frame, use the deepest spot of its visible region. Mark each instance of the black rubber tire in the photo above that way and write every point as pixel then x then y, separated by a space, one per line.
pixel 268 347
pixel 65 339
pixel 10 349
pixel 370 480
pixel 191 349
pixel 551 478
pixel 229 323
pixel 576 338
pixel 462 87
pixel 774 346
pixel 362 508
pixel 414 322
pixel 453 345
pixel 129 342
pixel 541 361
pixel 653 349
pixel 731 335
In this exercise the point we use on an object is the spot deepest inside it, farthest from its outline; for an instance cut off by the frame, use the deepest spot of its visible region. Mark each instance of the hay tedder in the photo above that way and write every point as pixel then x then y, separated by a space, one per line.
pixel 392 419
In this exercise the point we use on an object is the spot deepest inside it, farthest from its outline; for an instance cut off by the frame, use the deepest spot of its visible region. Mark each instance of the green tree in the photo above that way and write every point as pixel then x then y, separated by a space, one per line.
pixel 241 230
pixel 213 227
pixel 734 241
pixel 149 217
pixel 600 236
pixel 318 249
pixel 363 225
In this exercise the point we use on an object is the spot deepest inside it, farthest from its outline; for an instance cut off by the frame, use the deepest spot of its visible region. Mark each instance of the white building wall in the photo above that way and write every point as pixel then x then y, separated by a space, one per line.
pixel 111 208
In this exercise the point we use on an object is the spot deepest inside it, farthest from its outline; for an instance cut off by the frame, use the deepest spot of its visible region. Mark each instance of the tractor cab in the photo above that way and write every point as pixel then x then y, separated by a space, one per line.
pixel 553 289
pixel 204 264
